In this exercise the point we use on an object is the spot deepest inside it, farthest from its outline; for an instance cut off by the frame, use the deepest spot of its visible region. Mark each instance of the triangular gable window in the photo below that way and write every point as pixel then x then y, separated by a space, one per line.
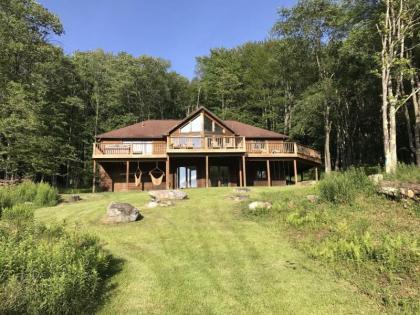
pixel 195 125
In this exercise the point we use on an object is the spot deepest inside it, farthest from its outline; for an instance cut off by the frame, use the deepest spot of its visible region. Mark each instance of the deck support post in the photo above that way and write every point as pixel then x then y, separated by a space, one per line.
pixel 244 169
pixel 240 173
pixel 94 177
pixel 268 173
pixel 127 169
pixel 295 170
pixel 316 173
pixel 167 171
pixel 207 171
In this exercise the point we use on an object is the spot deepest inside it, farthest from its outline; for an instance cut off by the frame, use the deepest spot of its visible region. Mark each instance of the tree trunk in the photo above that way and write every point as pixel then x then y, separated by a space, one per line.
pixel 327 153
pixel 411 144
pixel 392 162
pixel 415 84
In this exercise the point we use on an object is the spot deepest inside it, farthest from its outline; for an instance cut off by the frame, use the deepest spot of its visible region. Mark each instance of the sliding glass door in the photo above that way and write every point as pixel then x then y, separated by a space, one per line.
pixel 187 176
pixel 219 176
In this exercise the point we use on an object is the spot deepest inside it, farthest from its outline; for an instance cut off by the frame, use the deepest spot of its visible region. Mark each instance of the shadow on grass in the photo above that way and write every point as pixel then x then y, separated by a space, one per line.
pixel 105 292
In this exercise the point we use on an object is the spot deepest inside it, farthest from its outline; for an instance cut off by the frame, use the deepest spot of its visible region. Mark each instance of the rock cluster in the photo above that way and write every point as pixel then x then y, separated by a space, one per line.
pixel 168 194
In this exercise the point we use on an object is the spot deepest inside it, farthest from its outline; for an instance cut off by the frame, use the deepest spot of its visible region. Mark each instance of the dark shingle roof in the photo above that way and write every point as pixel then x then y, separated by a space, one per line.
pixel 250 131
pixel 149 129
pixel 156 129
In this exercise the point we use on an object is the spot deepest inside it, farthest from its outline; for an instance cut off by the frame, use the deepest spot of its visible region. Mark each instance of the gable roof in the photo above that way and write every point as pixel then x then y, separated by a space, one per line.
pixel 149 129
pixel 194 113
pixel 157 129
pixel 249 131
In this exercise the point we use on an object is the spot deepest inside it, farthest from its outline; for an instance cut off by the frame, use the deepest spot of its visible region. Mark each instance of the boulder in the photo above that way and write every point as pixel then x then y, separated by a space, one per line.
pixel 259 205
pixel 312 198
pixel 122 213
pixel 242 190
pixel 168 194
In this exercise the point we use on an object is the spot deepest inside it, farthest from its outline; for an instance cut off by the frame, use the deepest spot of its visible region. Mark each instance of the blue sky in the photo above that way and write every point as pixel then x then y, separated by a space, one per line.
pixel 177 30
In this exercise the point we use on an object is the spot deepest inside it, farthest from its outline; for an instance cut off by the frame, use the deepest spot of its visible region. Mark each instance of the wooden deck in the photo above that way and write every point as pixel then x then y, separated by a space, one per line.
pixel 203 145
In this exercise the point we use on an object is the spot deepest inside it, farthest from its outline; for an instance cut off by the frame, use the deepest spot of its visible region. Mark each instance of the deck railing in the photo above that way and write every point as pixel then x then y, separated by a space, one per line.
pixel 134 149
pixel 185 144
pixel 281 148
pixel 216 143
pixel 270 147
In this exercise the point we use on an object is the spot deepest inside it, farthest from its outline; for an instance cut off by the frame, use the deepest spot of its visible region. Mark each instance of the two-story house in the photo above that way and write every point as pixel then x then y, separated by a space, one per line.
pixel 199 151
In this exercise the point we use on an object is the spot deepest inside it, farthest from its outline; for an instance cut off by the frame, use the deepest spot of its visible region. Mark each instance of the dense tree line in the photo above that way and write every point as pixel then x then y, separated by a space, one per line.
pixel 319 78
pixel 52 105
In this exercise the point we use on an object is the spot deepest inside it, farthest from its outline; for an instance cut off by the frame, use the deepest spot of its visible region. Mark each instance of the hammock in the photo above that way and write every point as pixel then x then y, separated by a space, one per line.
pixel 137 176
pixel 157 180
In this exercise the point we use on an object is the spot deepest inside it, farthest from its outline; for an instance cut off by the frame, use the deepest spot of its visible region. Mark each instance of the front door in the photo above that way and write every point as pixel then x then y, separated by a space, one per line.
pixel 187 176
pixel 219 176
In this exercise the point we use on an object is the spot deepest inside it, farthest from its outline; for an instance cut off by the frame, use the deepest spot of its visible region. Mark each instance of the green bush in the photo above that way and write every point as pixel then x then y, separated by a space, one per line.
pixel 39 195
pixel 48 270
pixel 343 187
pixel 46 195
pixel 5 199
pixel 405 173
pixel 24 192
pixel 399 253
pixel 19 214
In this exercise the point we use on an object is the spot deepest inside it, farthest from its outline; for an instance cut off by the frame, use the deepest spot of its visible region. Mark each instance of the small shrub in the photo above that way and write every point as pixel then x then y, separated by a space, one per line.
pixel 50 271
pixel 343 188
pixel 39 195
pixel 405 173
pixel 19 214
pixel 5 199
pixel 305 217
pixel 46 195
pixel 400 253
pixel 24 192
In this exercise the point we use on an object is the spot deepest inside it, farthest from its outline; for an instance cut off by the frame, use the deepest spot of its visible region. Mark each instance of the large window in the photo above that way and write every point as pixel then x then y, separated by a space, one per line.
pixel 195 125
pixel 141 147
pixel 208 124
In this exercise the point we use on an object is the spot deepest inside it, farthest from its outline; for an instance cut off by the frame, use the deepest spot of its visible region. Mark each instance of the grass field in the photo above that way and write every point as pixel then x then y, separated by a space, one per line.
pixel 202 256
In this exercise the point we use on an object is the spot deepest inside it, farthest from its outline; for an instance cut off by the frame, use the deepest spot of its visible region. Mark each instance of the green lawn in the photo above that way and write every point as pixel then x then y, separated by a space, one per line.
pixel 202 256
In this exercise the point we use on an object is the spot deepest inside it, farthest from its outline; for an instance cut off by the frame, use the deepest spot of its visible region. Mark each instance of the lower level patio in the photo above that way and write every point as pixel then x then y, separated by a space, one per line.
pixel 178 172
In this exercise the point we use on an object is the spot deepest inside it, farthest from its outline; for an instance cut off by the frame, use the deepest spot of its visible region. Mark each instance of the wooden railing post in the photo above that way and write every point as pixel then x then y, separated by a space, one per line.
pixel 127 173
pixel 295 149
pixel 240 173
pixel 207 171
pixel 268 173
pixel 94 177
pixel 244 169
pixel 167 171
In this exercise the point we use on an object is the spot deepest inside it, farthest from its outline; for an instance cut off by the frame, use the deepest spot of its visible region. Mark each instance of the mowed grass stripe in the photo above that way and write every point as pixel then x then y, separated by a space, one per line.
pixel 201 257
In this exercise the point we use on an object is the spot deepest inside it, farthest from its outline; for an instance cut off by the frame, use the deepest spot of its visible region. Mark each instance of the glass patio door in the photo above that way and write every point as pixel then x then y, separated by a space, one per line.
pixel 219 176
pixel 187 177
